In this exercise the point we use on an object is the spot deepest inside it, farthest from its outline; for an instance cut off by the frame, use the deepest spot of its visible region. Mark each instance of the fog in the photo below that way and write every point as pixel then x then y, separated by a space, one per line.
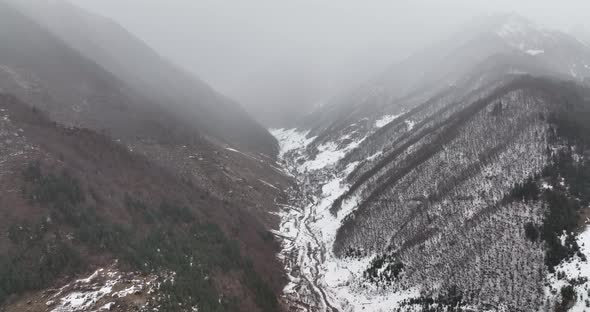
pixel 280 58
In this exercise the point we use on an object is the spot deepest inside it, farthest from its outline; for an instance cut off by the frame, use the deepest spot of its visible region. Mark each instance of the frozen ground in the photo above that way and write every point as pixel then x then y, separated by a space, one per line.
pixel 318 280
pixel 576 270
pixel 321 282
pixel 103 290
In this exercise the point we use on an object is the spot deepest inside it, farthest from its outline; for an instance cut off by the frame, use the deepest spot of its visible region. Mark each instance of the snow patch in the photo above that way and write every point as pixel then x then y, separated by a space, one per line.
pixel 89 294
pixel 546 186
pixel 574 269
pixel 107 307
pixel 410 124
pixel 534 52
pixel 374 156
pixel 329 154
pixel 291 139
pixel 77 301
pixel 244 154
pixel 384 120
pixel 268 184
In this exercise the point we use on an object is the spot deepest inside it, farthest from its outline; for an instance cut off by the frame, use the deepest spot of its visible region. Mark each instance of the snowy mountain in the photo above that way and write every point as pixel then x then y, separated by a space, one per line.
pixel 458 179
pixel 508 43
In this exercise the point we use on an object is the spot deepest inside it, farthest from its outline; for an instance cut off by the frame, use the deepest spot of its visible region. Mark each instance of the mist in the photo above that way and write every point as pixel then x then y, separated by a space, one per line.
pixel 294 155
pixel 280 59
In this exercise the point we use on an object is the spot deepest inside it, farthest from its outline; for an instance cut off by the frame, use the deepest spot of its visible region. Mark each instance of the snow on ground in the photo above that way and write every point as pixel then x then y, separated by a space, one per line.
pixel 82 300
pixel 291 139
pixel 575 269
pixel 374 156
pixel 268 184
pixel 244 154
pixel 384 120
pixel 310 232
pixel 410 124
pixel 328 154
pixel 344 277
pixel 107 307
pixel 534 52
pixel 96 292
pixel 546 186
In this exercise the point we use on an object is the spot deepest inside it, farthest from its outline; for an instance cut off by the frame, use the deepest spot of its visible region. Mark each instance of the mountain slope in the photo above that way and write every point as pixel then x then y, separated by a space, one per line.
pixel 74 91
pixel 466 190
pixel 175 91
pixel 525 47
pixel 130 145
pixel 73 201
pixel 48 74
pixel 414 215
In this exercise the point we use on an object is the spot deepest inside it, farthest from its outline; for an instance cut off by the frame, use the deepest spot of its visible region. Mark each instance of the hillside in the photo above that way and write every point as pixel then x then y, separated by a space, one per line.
pixel 455 180
pixel 45 72
pixel 74 202
pixel 506 44
pixel 171 90
pixel 464 205
pixel 116 177
pixel 469 193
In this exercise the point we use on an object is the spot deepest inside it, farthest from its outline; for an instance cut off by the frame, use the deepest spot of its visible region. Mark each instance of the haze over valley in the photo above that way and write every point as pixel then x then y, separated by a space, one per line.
pixel 335 156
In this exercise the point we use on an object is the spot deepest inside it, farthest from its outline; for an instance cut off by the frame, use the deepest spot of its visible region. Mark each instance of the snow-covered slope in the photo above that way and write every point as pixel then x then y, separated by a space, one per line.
pixel 507 43
pixel 439 184
pixel 421 211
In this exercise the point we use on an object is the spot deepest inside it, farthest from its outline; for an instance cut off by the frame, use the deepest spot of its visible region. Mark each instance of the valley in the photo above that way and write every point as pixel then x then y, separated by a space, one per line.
pixel 457 179
pixel 375 274
pixel 320 281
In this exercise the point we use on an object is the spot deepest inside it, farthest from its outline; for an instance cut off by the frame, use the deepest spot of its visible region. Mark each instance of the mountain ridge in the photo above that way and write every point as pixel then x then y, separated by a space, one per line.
pixel 455 195
pixel 172 89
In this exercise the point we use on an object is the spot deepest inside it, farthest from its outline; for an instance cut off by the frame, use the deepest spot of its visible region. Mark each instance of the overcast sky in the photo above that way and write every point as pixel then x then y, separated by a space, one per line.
pixel 317 47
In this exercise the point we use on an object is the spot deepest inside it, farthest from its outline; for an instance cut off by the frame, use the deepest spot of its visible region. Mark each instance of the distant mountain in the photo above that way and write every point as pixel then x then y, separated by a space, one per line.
pixel 458 179
pixel 73 90
pixel 156 79
pixel 521 46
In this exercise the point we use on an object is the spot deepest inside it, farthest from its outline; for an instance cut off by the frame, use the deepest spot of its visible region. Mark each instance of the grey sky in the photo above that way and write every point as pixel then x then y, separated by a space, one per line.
pixel 319 47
